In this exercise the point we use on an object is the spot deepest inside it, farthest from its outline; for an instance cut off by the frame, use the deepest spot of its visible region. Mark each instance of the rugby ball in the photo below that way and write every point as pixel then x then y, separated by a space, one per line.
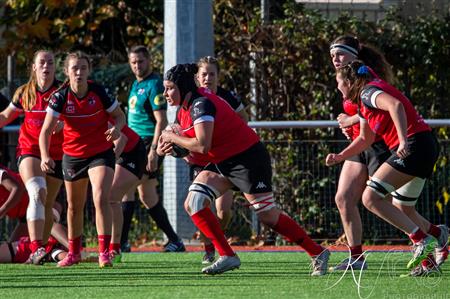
pixel 178 151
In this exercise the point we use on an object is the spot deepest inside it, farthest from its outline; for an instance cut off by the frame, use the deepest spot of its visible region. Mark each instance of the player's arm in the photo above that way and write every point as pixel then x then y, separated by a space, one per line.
pixel 50 122
pixel 16 191
pixel 119 145
pixel 161 123
pixel 8 115
pixel 386 102
pixel 362 142
pixel 59 232
pixel 118 116
pixel 346 120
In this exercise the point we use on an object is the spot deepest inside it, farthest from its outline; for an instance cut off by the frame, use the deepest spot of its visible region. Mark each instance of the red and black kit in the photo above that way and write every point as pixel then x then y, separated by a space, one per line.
pixel 236 151
pixel 422 144
pixel 85 123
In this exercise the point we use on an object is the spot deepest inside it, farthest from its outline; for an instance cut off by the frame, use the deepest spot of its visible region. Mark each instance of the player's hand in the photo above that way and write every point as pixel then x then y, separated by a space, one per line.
pixel 343 120
pixel 163 148
pixel 112 134
pixel 166 136
pixel 333 159
pixel 403 150
pixel 347 132
pixel 47 165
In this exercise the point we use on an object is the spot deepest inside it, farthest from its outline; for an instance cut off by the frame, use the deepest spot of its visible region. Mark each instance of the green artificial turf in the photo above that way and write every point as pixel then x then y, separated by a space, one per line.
pixel 262 275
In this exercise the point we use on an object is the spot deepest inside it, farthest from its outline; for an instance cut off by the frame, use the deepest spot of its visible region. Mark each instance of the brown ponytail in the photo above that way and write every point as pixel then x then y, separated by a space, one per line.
pixel 62 86
pixel 27 93
pixel 373 58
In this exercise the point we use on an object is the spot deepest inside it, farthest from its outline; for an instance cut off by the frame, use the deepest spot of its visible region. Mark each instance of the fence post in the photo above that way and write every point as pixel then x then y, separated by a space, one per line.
pixel 10 75
pixel 188 35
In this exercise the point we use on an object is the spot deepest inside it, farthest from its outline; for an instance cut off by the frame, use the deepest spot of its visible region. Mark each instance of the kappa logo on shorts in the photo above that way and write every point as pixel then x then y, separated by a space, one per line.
pixel 70 172
pixel 131 165
pixel 399 162
pixel 261 185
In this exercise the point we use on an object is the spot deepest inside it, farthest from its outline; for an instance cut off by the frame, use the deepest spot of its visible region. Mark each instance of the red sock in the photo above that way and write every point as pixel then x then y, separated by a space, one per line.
pixel 293 232
pixel 417 236
pixel 356 252
pixel 209 247
pixel 434 231
pixel 208 224
pixel 52 242
pixel 103 243
pixel 75 245
pixel 114 246
pixel 429 262
pixel 35 245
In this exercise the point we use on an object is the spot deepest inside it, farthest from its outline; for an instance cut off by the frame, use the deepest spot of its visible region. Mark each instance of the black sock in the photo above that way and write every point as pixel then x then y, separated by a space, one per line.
pixel 159 214
pixel 127 210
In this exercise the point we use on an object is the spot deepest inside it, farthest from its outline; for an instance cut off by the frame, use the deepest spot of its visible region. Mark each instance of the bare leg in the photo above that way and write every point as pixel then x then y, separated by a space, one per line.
pixel 123 182
pixel 101 178
pixel 384 208
pixel 147 192
pixel 412 213
pixel 352 182
pixel 31 167
pixel 76 198
pixel 53 187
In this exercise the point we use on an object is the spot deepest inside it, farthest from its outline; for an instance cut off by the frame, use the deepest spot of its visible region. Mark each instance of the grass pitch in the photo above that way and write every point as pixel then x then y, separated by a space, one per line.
pixel 262 275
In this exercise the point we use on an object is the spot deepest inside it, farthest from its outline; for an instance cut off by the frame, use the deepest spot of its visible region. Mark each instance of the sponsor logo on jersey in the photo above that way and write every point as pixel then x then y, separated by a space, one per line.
pixel 261 185
pixel 159 100
pixel 132 102
pixel 141 91
pixel 70 109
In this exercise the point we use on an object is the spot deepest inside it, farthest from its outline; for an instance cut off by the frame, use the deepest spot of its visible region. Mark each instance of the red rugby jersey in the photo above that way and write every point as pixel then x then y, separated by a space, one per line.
pixel 231 135
pixel 85 119
pixel 202 160
pixel 28 143
pixel 380 121
pixel 19 210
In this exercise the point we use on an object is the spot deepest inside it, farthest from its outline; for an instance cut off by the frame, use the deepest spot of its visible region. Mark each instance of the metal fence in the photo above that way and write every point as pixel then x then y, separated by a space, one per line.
pixel 303 186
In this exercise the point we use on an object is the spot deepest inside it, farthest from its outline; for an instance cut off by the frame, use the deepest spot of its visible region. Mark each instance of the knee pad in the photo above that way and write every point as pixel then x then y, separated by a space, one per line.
pixel 198 194
pixel 379 187
pixel 408 194
pixel 36 209
pixel 262 204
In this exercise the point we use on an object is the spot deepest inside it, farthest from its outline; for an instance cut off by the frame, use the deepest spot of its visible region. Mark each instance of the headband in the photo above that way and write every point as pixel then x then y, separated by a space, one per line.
pixel 344 48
